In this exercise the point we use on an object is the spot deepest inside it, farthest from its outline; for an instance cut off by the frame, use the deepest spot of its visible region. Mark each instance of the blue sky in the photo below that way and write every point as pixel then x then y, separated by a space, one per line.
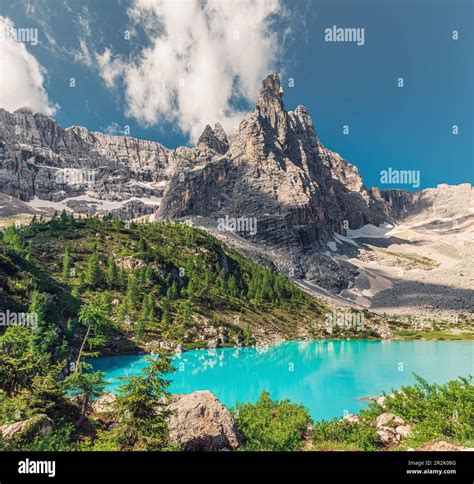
pixel 118 80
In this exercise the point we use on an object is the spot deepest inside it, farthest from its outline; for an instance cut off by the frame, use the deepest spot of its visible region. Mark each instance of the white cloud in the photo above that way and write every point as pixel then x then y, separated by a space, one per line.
pixel 201 54
pixel 21 75
pixel 113 129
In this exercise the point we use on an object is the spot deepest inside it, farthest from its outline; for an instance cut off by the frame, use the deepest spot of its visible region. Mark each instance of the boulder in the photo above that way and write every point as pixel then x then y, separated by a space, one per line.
pixel 388 436
pixel 198 421
pixel 388 420
pixel 403 430
pixel 352 417
pixel 27 430
pixel 103 403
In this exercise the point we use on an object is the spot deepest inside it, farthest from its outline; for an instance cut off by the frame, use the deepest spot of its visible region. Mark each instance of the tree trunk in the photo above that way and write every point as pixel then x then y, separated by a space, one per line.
pixel 79 356
pixel 83 412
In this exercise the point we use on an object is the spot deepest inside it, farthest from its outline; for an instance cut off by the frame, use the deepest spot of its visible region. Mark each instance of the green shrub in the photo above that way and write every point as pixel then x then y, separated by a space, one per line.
pixel 271 424
pixel 435 411
pixel 60 439
pixel 345 435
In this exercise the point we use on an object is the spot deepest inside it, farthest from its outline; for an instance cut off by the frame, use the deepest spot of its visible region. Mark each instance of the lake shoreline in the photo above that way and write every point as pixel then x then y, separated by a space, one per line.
pixel 470 339
pixel 327 376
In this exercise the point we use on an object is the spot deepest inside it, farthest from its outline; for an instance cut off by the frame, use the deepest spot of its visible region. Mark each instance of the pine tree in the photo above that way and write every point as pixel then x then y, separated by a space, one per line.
pixel 140 426
pixel 232 285
pixel 44 337
pixel 86 386
pixel 111 275
pixel 149 274
pixel 172 292
pixel 122 278
pixel 142 248
pixel 166 317
pixel 117 223
pixel 66 262
pixel 82 280
pixel 186 314
pixel 132 290
pixel 63 219
pixel 14 238
pixel 123 310
pixel 72 221
pixel 248 336
pixel 19 362
pixel 93 271
pixel 95 317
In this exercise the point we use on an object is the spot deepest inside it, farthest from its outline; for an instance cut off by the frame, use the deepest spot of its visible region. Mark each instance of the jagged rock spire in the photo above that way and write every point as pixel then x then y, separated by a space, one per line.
pixel 270 106
pixel 271 94
pixel 220 134
pixel 215 139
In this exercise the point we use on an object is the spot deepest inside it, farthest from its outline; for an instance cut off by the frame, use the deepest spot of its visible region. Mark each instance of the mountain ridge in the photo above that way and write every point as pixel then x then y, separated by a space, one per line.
pixel 273 170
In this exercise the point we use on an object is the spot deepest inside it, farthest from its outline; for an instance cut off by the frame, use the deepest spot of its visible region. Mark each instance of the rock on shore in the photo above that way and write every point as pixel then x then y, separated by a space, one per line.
pixel 197 421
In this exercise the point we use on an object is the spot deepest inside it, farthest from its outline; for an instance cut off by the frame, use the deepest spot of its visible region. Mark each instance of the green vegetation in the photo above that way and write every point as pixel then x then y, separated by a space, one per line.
pixel 419 260
pixel 140 409
pixel 271 424
pixel 156 281
pixel 340 434
pixel 457 328
pixel 436 335
pixel 434 412
pixel 99 287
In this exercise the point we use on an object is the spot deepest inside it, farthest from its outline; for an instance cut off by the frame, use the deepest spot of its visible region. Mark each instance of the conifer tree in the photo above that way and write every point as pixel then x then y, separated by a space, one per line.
pixel 132 290
pixel 93 271
pixel 66 262
pixel 64 219
pixel 123 310
pixel 111 275
pixel 140 426
pixel 87 386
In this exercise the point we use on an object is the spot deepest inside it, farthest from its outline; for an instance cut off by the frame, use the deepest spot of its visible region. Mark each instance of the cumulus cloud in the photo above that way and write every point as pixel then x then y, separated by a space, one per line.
pixel 202 57
pixel 21 75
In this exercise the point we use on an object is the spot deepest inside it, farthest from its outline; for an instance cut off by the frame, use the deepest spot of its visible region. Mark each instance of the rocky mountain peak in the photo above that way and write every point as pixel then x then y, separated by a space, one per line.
pixel 214 139
pixel 23 110
pixel 220 133
pixel 270 91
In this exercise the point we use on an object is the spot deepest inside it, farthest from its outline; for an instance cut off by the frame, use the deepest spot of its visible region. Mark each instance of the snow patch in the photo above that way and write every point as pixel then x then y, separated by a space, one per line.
pixel 370 231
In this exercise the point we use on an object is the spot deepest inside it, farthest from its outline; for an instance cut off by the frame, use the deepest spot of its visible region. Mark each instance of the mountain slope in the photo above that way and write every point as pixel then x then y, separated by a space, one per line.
pixel 165 284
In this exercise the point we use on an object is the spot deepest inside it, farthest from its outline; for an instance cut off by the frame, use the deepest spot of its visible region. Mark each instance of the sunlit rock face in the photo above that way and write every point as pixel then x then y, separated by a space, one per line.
pixel 276 170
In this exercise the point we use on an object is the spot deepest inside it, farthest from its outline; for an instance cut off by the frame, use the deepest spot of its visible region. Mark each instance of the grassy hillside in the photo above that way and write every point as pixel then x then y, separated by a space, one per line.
pixel 161 284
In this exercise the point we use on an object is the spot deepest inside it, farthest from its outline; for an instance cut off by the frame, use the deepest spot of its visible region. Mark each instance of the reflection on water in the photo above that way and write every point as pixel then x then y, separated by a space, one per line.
pixel 328 377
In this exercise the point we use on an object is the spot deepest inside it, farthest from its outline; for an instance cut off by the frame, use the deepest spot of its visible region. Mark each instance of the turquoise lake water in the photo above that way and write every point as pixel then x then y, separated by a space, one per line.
pixel 328 377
